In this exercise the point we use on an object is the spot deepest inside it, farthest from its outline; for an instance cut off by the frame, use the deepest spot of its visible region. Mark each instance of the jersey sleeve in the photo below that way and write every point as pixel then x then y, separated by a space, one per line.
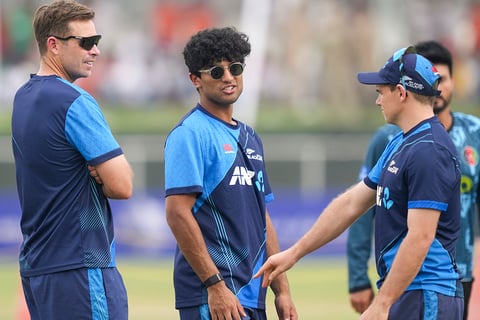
pixel 184 171
pixel 371 180
pixel 87 129
pixel 431 178
pixel 376 146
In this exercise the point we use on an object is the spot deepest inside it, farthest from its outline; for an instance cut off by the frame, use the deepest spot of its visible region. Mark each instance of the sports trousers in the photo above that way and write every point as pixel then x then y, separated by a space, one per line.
pixel 203 313
pixel 426 305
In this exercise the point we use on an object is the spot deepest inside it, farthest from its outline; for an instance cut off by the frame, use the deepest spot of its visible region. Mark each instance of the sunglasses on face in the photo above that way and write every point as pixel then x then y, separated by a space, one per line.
pixel 86 43
pixel 398 56
pixel 217 72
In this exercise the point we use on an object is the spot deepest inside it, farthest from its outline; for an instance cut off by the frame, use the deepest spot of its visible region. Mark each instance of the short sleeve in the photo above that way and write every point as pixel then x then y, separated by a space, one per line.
pixel 184 168
pixel 87 129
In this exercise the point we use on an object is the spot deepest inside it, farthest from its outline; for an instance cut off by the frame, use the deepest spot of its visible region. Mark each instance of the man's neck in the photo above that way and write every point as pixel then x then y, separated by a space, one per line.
pixel 446 118
pixel 50 67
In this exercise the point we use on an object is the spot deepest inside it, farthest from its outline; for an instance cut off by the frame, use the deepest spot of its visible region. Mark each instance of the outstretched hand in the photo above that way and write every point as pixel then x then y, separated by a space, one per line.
pixel 275 265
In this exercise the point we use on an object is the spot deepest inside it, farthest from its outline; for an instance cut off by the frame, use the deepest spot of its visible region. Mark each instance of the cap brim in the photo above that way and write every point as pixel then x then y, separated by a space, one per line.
pixel 371 78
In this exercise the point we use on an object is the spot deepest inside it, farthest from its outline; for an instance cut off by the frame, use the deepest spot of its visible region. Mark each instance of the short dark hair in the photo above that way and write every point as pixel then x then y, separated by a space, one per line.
pixel 54 19
pixel 209 46
pixel 436 53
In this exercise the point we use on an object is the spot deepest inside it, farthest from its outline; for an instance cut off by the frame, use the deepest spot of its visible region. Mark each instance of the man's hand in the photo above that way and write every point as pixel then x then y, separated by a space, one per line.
pixel 376 311
pixel 275 265
pixel 360 300
pixel 223 303
pixel 285 307
pixel 94 174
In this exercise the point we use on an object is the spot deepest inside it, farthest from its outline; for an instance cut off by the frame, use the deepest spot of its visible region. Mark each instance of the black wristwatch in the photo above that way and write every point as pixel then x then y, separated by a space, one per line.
pixel 216 278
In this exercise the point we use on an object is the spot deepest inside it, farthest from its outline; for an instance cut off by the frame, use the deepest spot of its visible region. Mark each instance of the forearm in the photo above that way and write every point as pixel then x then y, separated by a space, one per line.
pixel 335 219
pixel 116 177
pixel 192 245
pixel 280 284
pixel 280 287
pixel 190 240
pixel 359 246
pixel 405 267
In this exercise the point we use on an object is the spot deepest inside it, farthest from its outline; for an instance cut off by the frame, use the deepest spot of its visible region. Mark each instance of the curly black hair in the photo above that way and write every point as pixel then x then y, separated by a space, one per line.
pixel 210 46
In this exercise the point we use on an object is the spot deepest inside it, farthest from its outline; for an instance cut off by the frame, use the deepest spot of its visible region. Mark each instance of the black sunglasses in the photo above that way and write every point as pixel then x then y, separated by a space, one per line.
pixel 86 43
pixel 398 56
pixel 216 72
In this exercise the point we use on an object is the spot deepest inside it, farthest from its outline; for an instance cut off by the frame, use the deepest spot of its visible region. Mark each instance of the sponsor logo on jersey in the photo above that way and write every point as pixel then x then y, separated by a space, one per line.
pixel 392 168
pixel 383 197
pixel 242 176
pixel 470 155
pixel 227 147
pixel 251 154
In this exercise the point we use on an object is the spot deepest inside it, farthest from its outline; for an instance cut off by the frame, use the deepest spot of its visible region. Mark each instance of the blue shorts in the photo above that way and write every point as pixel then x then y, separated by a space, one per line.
pixel 87 294
pixel 426 305
pixel 203 313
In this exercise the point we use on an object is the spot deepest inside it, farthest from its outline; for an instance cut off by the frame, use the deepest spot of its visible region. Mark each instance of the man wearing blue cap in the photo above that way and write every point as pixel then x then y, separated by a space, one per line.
pixel 415 187
pixel 464 130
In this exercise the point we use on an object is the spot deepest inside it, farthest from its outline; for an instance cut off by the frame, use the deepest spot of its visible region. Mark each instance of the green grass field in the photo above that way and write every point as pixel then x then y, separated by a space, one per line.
pixel 319 289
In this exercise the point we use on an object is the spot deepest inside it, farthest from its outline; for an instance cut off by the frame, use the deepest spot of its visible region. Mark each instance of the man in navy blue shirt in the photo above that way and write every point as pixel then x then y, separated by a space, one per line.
pixel 415 187
pixel 67 166
pixel 464 130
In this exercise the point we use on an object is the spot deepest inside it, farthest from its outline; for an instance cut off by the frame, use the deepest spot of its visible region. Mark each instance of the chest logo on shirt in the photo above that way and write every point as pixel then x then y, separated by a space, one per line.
pixel 392 168
pixel 242 176
pixel 227 147
pixel 383 197
pixel 470 155
pixel 252 156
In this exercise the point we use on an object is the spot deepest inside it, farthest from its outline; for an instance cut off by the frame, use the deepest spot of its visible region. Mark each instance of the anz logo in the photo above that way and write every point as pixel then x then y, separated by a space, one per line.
pixel 244 177
pixel 383 197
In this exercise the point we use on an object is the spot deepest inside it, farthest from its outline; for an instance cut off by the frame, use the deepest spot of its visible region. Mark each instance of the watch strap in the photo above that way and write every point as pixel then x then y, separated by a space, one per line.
pixel 216 278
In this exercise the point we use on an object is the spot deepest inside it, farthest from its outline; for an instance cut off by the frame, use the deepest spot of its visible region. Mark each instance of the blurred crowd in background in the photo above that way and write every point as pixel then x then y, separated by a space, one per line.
pixel 312 51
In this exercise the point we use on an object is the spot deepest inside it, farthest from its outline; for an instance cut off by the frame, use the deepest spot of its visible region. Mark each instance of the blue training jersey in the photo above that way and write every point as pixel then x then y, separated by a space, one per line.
pixel 465 134
pixel 224 165
pixel 57 129
pixel 419 169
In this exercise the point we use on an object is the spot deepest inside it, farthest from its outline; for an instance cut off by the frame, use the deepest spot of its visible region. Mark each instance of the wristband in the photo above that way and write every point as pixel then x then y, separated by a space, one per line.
pixel 216 278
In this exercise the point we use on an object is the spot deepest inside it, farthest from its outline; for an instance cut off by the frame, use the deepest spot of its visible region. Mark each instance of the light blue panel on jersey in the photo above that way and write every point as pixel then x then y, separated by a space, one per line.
pixel 250 291
pixel 437 259
pixel 185 157
pixel 392 146
pixel 86 127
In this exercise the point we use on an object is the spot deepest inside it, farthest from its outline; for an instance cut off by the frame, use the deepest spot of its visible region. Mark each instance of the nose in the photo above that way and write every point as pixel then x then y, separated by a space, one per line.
pixel 95 50
pixel 227 74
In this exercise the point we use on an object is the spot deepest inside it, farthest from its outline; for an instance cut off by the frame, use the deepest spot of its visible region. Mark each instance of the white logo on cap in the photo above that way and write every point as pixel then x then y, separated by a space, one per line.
pixel 412 84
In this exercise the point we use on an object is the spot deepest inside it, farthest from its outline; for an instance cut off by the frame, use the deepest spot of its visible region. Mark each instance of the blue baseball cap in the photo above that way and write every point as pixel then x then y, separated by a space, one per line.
pixel 406 67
